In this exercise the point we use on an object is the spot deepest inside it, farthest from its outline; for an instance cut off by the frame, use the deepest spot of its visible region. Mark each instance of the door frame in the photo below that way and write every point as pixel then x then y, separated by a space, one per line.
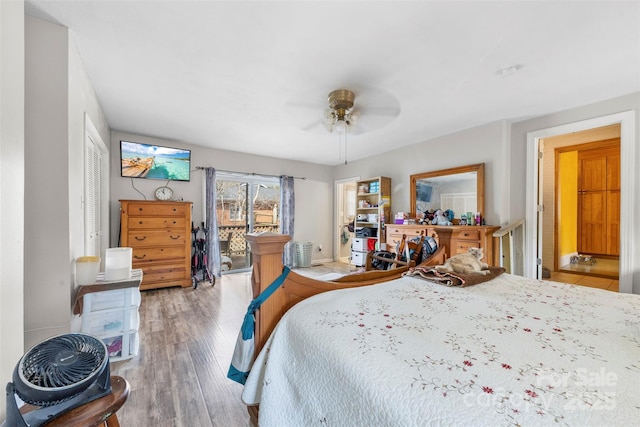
pixel 339 186
pixel 533 241
pixel 250 180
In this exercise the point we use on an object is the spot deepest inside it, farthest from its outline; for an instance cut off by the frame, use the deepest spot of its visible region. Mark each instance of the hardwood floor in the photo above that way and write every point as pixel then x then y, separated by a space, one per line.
pixel 187 337
pixel 603 267
pixel 589 281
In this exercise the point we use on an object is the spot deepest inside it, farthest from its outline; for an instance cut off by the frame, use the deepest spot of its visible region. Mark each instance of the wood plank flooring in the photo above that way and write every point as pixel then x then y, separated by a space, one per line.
pixel 187 337
pixel 589 281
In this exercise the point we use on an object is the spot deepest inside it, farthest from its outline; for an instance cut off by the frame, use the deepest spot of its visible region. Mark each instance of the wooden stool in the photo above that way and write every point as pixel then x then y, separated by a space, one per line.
pixel 100 412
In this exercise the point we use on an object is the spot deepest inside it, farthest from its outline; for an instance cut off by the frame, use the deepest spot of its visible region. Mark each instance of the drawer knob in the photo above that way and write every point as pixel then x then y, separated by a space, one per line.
pixel 140 257
pixel 174 209
pixel 175 237
pixel 140 209
pixel 141 238
pixel 139 222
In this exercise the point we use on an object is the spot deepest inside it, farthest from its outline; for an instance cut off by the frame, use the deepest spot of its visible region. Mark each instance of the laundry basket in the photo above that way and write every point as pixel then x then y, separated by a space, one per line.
pixel 303 254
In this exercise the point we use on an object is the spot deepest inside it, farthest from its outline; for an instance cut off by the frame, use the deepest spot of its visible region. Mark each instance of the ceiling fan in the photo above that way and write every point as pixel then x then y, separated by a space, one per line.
pixel 340 115
pixel 374 109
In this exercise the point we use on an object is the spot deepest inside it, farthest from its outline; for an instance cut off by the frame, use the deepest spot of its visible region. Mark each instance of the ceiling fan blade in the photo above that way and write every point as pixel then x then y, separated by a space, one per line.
pixel 379 111
pixel 313 126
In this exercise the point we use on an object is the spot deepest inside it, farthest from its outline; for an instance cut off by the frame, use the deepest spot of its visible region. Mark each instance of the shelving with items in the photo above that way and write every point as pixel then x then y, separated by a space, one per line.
pixel 117 328
pixel 123 346
pixel 373 208
pixel 110 312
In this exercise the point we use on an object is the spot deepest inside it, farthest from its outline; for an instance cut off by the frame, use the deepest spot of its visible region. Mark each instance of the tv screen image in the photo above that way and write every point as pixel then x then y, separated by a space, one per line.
pixel 140 160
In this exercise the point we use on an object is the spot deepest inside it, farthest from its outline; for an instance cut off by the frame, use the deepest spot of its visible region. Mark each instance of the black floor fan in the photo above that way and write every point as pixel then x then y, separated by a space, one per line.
pixel 57 375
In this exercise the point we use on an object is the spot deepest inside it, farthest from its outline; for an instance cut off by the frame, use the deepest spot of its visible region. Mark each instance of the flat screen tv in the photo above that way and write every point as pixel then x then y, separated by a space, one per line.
pixel 138 160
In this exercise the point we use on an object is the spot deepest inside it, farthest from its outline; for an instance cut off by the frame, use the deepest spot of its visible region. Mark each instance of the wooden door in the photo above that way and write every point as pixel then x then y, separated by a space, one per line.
pixel 599 200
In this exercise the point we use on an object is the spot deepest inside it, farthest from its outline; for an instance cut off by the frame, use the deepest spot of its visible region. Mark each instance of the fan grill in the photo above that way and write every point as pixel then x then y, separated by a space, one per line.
pixel 63 361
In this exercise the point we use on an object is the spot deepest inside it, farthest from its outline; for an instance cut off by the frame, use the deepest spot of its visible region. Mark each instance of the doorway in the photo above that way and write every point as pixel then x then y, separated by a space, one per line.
pixel 345 214
pixel 536 172
pixel 244 204
pixel 582 201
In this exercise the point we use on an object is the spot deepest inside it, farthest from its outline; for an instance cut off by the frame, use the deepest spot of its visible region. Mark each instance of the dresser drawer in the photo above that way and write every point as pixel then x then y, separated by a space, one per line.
pixel 152 209
pixel 466 235
pixel 157 237
pixel 410 231
pixel 143 255
pixel 157 273
pixel 462 246
pixel 151 222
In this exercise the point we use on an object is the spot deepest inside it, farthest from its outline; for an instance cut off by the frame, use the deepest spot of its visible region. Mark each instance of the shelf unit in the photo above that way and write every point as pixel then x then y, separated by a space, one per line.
pixel 112 314
pixel 373 208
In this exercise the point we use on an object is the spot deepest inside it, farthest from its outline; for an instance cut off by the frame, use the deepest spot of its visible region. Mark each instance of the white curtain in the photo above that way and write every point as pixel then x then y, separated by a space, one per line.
pixel 213 245
pixel 287 214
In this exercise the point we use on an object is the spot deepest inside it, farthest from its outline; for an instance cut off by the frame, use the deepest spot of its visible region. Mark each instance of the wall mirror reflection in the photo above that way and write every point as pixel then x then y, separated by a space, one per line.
pixel 459 189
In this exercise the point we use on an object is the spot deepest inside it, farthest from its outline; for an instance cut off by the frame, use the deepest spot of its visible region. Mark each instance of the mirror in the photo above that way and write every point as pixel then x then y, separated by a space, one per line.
pixel 459 189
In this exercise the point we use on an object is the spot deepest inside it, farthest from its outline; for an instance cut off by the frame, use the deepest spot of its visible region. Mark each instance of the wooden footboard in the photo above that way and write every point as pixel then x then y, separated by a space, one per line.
pixel 267 250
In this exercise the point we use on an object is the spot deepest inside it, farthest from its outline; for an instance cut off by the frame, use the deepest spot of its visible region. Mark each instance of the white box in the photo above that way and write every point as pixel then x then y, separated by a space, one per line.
pixel 111 322
pixel 358 258
pixel 107 300
pixel 123 346
pixel 359 244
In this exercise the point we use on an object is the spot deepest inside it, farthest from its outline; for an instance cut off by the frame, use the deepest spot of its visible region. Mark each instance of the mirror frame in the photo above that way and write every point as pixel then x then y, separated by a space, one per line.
pixel 478 168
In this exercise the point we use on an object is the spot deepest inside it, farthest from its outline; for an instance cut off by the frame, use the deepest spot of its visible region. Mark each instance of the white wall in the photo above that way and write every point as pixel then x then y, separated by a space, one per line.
pixel 57 95
pixel 11 188
pixel 314 195
pixel 483 144
pixel 46 276
pixel 599 109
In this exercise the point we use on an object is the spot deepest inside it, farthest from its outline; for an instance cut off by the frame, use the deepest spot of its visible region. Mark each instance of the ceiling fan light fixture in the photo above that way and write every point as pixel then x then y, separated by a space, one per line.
pixel 340 115
pixel 340 126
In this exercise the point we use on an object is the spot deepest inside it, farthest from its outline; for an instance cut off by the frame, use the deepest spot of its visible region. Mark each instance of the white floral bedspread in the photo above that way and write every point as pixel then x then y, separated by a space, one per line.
pixel 511 351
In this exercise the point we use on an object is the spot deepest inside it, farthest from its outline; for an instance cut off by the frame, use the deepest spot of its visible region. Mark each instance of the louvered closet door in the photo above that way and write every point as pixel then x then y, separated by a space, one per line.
pixel 93 198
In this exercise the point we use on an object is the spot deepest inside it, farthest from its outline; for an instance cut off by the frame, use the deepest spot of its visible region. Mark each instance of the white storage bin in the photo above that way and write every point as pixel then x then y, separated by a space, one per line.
pixel 123 346
pixel 118 298
pixel 111 322
pixel 358 258
pixel 360 244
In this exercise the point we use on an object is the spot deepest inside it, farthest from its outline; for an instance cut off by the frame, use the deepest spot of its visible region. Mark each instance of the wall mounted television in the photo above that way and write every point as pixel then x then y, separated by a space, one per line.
pixel 138 160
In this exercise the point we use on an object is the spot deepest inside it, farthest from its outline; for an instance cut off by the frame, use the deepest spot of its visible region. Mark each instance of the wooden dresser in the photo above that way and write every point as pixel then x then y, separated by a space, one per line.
pixel 160 235
pixel 456 239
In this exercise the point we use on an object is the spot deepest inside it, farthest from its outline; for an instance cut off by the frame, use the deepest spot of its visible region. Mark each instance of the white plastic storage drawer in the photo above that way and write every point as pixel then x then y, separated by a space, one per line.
pixel 107 300
pixel 358 258
pixel 360 244
pixel 122 346
pixel 111 322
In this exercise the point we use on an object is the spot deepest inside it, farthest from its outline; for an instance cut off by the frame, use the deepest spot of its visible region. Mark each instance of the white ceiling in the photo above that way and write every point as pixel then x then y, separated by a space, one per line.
pixel 254 76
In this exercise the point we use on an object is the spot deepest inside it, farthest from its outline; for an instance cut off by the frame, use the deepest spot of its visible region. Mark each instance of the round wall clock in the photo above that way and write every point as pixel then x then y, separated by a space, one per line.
pixel 164 193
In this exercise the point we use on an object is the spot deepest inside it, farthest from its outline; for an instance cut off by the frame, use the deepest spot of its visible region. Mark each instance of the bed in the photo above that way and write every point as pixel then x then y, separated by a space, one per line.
pixel 406 351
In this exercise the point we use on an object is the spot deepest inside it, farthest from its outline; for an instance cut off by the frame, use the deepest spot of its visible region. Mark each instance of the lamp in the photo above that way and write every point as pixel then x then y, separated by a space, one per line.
pixel 340 116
